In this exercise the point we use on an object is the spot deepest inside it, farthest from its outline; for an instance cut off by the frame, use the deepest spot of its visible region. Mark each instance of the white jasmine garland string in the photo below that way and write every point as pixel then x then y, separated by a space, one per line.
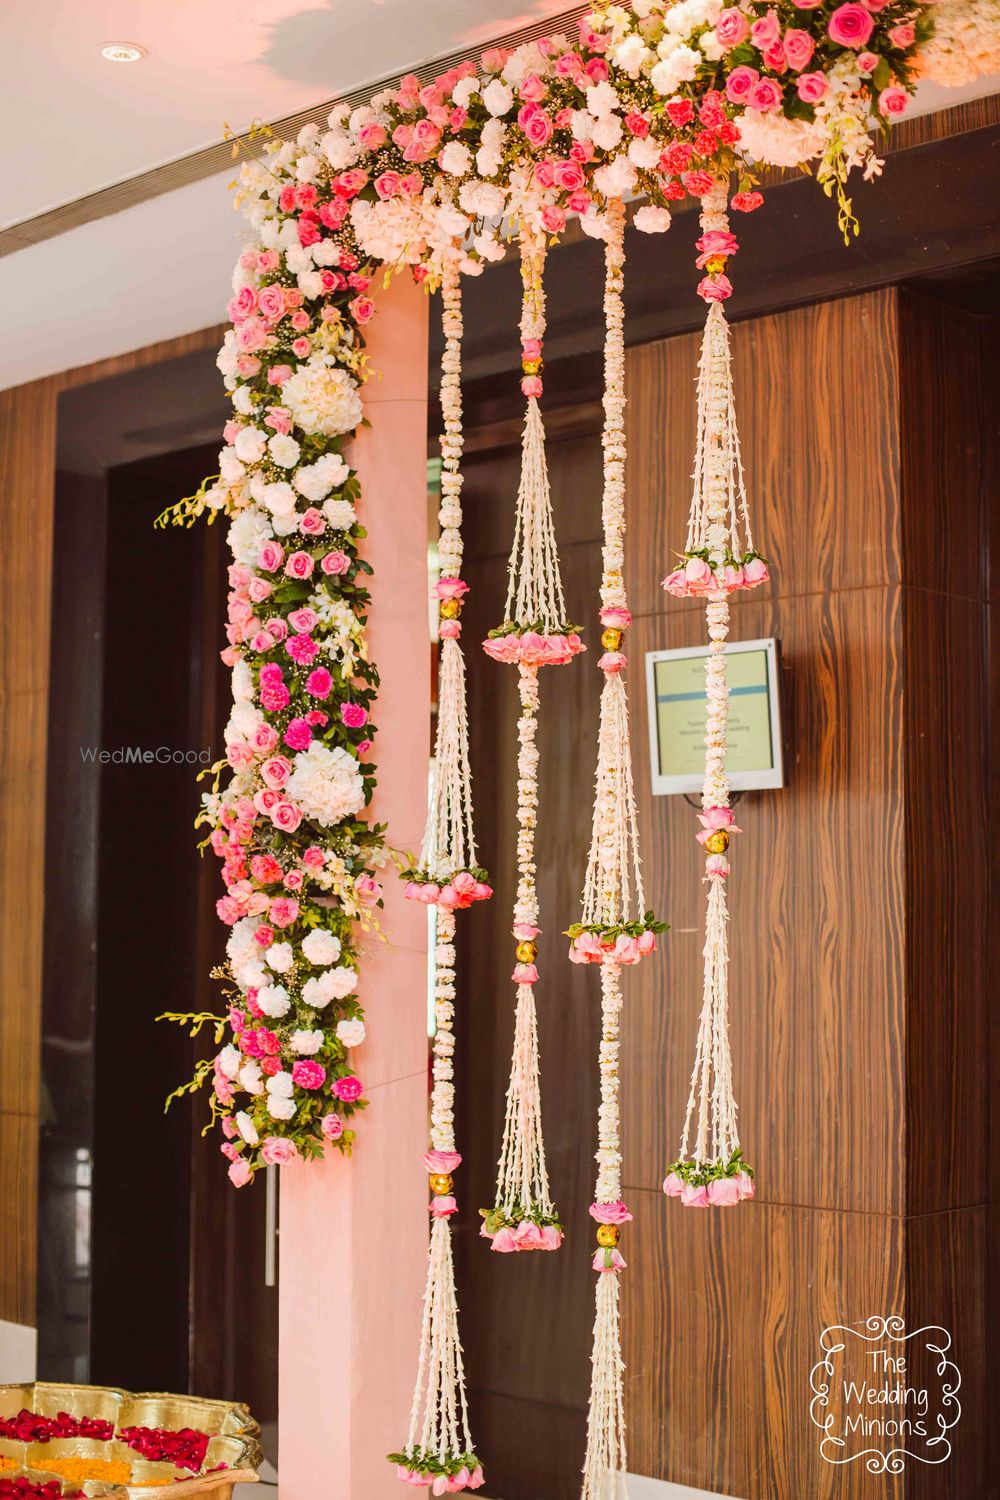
pixel 615 928
pixel 535 633
pixel 719 559
pixel 439 1450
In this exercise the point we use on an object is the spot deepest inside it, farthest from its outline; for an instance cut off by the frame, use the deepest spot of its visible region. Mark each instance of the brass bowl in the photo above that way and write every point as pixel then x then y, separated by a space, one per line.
pixel 234 1439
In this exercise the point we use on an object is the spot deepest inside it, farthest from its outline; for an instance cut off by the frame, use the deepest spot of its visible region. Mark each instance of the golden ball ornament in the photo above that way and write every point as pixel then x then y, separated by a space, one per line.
pixel 608 1236
pixel 611 639
pixel 526 953
pixel 715 264
pixel 533 366
pixel 441 1183
pixel 717 842
pixel 450 609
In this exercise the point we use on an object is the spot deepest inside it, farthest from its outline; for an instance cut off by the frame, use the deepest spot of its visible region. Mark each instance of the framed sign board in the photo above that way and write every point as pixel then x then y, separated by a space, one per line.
pixel 675 689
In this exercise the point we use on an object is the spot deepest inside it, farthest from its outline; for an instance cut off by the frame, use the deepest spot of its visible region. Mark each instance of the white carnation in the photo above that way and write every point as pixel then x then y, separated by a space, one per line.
pixel 497 97
pixel 332 984
pixel 455 158
pixel 315 481
pixel 326 784
pixel 483 199
pixel 644 152
pixel 280 1108
pixel 242 683
pixel 630 54
pixel 273 1000
pixel 280 957
pixel 321 947
pixel 607 132
pixel 231 471
pixel 249 530
pixel 281 1083
pixel 284 450
pixel 279 498
pixel 340 514
pixel 616 178
pixel 251 1078
pixel 339 150
pixel 351 1033
pixel 322 399
pixel 602 100
pixel 230 1060
pixel 464 90
pixel 306 1043
pixel 652 220
pixel 243 400
pixel 778 141
pixel 246 1128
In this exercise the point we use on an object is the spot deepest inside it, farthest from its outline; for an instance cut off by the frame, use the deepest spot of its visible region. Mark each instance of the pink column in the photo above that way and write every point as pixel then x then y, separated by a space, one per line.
pixel 354 1232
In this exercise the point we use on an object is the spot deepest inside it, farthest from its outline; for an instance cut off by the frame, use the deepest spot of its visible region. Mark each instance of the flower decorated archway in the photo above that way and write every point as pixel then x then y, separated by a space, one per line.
pixel 655 106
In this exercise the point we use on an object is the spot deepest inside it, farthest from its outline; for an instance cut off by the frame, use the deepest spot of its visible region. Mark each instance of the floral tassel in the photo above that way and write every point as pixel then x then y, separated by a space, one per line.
pixel 719 559
pixel 535 633
pixel 438 1451
pixel 615 928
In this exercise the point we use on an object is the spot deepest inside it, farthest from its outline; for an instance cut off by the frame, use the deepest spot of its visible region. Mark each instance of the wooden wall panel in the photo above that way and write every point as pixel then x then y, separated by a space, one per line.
pixel 27 479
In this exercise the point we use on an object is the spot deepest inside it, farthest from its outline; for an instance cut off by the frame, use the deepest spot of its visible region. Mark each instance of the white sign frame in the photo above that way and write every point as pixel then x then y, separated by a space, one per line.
pixel 739 781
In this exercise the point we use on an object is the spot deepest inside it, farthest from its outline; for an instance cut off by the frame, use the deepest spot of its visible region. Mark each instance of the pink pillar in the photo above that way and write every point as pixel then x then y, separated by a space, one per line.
pixel 354 1232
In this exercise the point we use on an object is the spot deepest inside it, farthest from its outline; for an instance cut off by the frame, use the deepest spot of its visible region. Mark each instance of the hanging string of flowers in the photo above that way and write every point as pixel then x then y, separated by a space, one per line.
pixel 535 633
pixel 652 101
pixel 438 1450
pixel 719 560
pixel 616 929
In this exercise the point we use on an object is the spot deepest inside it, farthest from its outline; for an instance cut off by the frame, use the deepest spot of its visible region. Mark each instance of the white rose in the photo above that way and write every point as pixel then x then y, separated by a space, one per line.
pixel 351 1033
pixel 247 1128
pixel 280 1108
pixel 306 1043
pixel 284 450
pixel 280 956
pixel 229 1060
pixel 321 947
pixel 273 1001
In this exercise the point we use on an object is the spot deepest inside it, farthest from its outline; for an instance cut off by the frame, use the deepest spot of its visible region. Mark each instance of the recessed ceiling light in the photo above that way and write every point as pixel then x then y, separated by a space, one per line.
pixel 122 52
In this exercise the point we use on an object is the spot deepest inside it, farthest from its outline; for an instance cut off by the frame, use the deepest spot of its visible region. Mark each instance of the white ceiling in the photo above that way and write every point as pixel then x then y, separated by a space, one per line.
pixel 74 123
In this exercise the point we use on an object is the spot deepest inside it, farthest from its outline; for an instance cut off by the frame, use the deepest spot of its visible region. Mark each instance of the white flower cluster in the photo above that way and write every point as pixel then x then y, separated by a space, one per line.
pixel 326 784
pixel 322 399
pixel 965 44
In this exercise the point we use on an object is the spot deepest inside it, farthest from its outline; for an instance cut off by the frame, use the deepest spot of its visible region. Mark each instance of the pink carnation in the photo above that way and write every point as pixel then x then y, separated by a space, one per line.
pixel 308 1074
pixel 347 1089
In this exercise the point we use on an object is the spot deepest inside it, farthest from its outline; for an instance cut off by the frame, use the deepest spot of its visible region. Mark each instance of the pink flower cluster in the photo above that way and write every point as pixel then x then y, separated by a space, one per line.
pixel 442 1484
pixel 721 1192
pixel 698 579
pixel 591 948
pixel 524 1236
pixel 533 649
pixel 456 894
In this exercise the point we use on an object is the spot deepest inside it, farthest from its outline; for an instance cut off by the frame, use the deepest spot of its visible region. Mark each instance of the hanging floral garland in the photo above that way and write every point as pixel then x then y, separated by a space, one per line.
pixel 653 101
pixel 535 633
pixel 438 1450
pixel 719 560
pixel 616 929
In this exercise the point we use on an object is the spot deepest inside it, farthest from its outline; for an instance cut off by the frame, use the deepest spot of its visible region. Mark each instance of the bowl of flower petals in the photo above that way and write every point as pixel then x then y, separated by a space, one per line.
pixel 66 1442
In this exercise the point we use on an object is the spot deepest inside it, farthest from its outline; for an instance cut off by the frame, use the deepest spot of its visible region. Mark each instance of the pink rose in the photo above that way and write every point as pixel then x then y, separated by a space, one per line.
pixel 867 62
pixel 332 1127
pixel 270 556
pixel 362 309
pixel 387 185
pixel 731 28
pixel 765 95
pixel 811 87
pixel 299 565
pixel 799 48
pixel 277 1152
pixel 740 83
pixel 372 136
pixel 239 1173
pixel 694 1197
pixel 610 1213
pixel 450 588
pixel 308 1074
pixel 535 123
pixel 850 25
pixel 903 35
pixel 443 1206
pixel 609 1260
pixel 367 890
pixel 335 563
pixel 673 1185
pixel 893 100
pixel 746 1184
pixel 766 31
pixel 347 1089
pixel 755 571
pixel 723 1192
pixel 312 522
pixel 276 771
pixel 441 1161
pixel 271 303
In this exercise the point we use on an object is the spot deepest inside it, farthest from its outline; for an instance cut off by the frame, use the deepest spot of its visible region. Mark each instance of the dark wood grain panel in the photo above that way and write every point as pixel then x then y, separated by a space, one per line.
pixel 816 394
pixel 946 901
pixel 816 937
pixel 722 1318
pixel 18 1193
